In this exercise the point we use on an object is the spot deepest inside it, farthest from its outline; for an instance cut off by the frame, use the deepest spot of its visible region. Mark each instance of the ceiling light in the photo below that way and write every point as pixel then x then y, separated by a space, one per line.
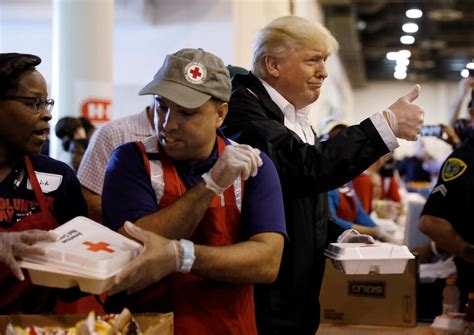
pixel 414 13
pixel 392 55
pixel 403 61
pixel 361 25
pixel 400 75
pixel 470 66
pixel 465 73
pixel 404 53
pixel 400 68
pixel 407 39
pixel 410 27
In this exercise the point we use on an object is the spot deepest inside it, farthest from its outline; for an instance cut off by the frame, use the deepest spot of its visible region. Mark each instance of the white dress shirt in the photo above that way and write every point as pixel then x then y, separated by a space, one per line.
pixel 298 120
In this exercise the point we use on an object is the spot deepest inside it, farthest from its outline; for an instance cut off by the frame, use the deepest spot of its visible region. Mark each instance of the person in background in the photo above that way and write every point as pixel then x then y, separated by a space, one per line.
pixel 329 127
pixel 421 167
pixel 105 140
pixel 347 211
pixel 88 127
pixel 269 110
pixel 77 148
pixel 378 182
pixel 447 215
pixel 75 134
pixel 344 203
pixel 69 128
pixel 231 233
pixel 382 191
pixel 466 85
pixel 38 192
pixel 462 128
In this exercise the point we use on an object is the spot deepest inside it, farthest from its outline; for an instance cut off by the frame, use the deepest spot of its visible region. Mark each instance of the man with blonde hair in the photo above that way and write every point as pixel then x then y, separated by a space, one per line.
pixel 269 110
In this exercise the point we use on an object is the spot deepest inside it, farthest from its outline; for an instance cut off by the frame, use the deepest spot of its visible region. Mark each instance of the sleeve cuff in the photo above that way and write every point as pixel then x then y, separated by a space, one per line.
pixel 384 130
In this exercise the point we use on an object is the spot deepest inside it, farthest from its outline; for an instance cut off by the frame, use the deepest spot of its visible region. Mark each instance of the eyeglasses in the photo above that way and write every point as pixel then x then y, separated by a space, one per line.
pixel 40 103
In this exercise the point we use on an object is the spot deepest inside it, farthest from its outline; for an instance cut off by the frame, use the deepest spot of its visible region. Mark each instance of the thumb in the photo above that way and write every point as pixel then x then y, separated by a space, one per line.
pixel 414 93
pixel 17 271
pixel 135 231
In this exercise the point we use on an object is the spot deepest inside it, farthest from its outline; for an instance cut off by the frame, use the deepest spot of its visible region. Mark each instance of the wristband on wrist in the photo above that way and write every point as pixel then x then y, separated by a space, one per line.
pixel 188 256
pixel 177 256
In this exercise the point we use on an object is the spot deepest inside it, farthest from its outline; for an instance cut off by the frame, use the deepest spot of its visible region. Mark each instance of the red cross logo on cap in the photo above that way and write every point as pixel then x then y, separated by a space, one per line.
pixel 101 246
pixel 195 73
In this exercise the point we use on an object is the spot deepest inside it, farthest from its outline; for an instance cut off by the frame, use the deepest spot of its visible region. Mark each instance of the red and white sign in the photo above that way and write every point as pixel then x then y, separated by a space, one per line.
pixel 93 100
pixel 96 110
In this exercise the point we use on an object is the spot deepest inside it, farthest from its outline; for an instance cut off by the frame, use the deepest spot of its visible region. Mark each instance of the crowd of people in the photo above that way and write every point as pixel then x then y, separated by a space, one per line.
pixel 224 182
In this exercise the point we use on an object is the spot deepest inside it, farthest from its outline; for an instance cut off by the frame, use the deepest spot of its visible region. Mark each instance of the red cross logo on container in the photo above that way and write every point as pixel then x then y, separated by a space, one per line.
pixel 195 73
pixel 96 247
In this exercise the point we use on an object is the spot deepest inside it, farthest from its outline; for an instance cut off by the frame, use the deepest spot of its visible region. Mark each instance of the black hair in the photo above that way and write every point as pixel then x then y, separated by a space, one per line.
pixel 67 126
pixel 462 128
pixel 12 66
pixel 65 129
pixel 86 124
pixel 388 168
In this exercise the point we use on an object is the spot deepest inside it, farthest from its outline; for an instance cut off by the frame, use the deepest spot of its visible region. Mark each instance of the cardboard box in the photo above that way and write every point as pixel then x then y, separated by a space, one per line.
pixel 152 323
pixel 373 299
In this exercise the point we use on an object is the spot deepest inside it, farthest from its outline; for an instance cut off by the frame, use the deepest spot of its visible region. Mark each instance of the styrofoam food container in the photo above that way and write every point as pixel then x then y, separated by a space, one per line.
pixel 55 277
pixel 449 324
pixel 362 258
pixel 86 253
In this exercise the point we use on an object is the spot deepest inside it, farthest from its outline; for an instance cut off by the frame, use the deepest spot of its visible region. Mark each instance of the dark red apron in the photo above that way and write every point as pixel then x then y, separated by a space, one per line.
pixel 22 296
pixel 347 209
pixel 200 305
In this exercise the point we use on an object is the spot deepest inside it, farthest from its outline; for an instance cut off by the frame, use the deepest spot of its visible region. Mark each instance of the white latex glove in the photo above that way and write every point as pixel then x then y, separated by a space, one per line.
pixel 409 115
pixel 387 236
pixel 158 259
pixel 18 244
pixel 387 209
pixel 236 161
pixel 353 236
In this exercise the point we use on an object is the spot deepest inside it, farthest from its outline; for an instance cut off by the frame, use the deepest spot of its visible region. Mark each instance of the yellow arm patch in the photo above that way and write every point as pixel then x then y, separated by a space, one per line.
pixel 453 168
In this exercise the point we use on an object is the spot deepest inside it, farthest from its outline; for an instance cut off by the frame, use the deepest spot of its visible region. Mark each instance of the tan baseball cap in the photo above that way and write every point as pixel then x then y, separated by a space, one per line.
pixel 189 78
pixel 325 126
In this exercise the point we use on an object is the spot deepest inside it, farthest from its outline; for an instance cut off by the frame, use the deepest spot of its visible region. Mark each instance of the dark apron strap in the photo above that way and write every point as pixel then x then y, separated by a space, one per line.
pixel 35 185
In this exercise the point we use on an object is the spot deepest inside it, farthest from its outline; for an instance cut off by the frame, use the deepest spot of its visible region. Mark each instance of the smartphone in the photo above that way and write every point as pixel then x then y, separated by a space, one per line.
pixel 432 130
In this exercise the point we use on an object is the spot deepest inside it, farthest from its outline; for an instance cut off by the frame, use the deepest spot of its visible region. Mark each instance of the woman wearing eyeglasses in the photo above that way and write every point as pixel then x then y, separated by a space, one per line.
pixel 36 192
